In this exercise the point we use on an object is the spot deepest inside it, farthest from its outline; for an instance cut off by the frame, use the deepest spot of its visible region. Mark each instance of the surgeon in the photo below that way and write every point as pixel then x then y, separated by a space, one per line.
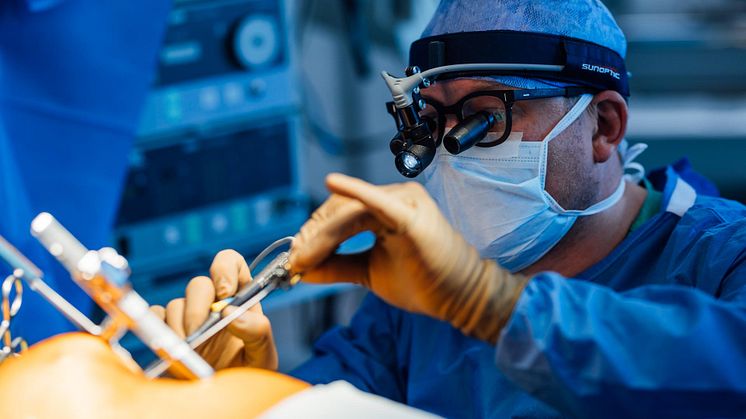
pixel 538 274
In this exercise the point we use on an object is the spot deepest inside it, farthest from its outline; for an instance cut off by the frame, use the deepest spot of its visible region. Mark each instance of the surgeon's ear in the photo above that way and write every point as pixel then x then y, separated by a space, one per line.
pixel 611 124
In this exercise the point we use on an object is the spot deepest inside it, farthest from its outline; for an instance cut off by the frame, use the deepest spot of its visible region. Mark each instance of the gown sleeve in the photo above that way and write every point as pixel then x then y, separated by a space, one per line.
pixel 657 350
pixel 363 354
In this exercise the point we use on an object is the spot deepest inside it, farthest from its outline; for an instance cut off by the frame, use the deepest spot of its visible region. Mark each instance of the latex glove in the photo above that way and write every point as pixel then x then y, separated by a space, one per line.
pixel 419 262
pixel 247 341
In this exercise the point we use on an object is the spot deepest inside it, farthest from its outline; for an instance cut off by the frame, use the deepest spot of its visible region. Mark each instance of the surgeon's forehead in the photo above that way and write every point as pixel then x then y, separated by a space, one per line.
pixel 450 91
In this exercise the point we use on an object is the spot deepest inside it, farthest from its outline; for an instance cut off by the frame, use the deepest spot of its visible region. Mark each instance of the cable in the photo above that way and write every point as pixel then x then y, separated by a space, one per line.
pixel 269 249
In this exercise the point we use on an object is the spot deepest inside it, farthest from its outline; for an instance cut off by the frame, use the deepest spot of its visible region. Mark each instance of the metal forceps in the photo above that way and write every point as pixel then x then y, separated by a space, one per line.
pixel 275 275
pixel 10 307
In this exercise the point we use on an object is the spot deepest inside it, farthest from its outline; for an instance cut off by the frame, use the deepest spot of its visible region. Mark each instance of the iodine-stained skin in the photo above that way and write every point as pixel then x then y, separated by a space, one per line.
pixel 79 376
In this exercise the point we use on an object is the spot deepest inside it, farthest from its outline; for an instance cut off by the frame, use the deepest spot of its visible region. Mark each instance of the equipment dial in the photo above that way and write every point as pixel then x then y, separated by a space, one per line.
pixel 256 41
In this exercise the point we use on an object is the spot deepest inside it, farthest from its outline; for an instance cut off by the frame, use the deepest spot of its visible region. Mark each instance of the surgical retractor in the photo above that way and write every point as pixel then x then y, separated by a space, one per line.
pixel 24 268
pixel 104 275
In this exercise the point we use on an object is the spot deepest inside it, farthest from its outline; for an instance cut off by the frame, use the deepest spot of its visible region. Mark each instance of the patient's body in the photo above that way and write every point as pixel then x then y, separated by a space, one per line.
pixel 78 375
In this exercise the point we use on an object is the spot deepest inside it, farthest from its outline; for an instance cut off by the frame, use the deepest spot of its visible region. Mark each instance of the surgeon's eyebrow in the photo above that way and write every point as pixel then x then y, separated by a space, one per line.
pixel 480 85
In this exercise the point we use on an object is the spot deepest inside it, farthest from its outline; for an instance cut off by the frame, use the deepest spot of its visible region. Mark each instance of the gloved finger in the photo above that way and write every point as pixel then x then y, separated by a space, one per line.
pixel 251 327
pixel 388 207
pixel 200 294
pixel 229 271
pixel 340 268
pixel 175 316
pixel 255 330
pixel 159 311
pixel 338 219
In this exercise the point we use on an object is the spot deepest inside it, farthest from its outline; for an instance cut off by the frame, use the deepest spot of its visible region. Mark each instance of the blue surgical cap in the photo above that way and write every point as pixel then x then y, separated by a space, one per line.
pixel 588 20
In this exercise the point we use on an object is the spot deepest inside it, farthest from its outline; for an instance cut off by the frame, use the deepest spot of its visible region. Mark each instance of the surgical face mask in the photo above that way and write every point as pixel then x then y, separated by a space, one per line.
pixel 496 198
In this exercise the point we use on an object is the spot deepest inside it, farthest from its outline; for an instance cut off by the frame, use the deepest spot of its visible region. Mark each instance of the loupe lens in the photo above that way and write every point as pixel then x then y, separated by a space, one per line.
pixel 469 132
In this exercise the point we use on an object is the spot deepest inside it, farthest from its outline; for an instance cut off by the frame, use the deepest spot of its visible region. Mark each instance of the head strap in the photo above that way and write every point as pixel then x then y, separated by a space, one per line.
pixel 584 63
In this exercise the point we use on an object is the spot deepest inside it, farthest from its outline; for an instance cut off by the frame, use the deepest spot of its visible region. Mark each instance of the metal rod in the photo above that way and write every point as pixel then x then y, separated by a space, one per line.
pixel 272 273
pixel 267 280
pixel 33 276
pixel 104 276
pixel 157 369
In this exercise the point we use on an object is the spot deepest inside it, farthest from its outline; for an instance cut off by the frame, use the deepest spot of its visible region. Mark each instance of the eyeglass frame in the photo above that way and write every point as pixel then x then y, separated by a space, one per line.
pixel 508 97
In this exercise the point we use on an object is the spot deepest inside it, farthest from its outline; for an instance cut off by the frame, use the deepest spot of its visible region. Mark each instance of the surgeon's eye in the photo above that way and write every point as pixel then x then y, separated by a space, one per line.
pixel 521 109
pixel 490 104
pixel 499 117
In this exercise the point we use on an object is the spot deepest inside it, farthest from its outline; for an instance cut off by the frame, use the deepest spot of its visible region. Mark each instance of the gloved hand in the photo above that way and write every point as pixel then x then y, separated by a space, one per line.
pixel 247 341
pixel 419 262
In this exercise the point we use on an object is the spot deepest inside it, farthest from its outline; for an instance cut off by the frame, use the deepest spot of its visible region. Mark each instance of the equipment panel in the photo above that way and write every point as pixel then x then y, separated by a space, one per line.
pixel 220 60
pixel 215 162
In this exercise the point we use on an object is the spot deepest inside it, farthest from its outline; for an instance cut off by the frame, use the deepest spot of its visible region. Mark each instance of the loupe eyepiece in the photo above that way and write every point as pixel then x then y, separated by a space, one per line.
pixel 469 132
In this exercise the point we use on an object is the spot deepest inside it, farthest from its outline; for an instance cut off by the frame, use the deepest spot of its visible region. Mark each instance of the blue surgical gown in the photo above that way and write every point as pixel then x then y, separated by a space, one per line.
pixel 656 329
pixel 73 77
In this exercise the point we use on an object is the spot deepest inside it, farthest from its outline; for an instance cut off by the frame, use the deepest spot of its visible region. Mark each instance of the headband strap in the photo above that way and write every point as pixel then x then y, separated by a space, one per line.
pixel 585 63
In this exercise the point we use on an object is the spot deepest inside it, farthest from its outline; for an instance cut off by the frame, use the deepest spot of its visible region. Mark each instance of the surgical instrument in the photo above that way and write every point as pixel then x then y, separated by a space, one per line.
pixel 275 275
pixel 104 274
pixel 32 275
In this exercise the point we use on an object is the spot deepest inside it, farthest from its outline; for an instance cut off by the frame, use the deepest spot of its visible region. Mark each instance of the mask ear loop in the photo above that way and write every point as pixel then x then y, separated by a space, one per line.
pixel 628 154
pixel 567 120
pixel 570 116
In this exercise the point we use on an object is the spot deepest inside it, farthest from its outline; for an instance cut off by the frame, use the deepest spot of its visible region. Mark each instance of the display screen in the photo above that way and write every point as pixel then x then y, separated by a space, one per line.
pixel 200 172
